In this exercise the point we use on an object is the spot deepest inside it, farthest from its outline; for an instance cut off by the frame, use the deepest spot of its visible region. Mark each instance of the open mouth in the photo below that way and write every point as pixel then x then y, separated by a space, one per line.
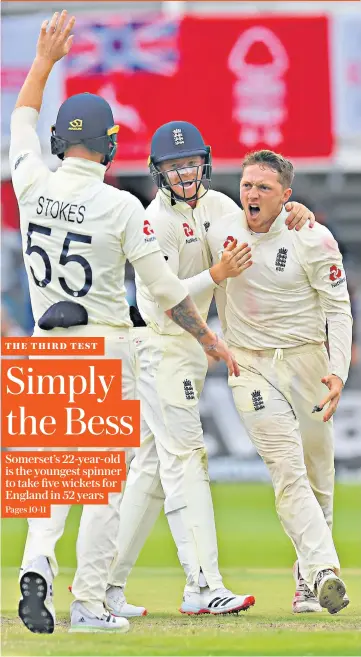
pixel 189 183
pixel 254 210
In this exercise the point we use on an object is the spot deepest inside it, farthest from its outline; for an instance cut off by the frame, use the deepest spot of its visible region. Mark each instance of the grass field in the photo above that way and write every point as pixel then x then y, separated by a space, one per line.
pixel 255 557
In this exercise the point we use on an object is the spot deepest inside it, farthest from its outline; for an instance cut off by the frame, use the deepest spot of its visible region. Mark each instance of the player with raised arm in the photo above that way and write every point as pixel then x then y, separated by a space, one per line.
pixel 77 234
pixel 274 317
pixel 172 459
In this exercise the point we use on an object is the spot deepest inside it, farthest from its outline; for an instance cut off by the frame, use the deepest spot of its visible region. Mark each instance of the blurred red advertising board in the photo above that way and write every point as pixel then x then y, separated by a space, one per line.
pixel 246 82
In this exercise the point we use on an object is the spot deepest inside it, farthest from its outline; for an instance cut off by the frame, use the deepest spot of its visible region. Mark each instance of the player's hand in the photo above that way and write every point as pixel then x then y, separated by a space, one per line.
pixel 298 216
pixel 335 386
pixel 235 259
pixel 218 350
pixel 55 39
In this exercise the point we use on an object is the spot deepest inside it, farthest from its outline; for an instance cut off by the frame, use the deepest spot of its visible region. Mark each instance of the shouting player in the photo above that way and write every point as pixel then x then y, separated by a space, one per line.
pixel 274 317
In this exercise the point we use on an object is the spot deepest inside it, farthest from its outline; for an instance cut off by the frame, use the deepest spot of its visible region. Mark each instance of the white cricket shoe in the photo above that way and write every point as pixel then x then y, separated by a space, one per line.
pixel 36 607
pixel 82 620
pixel 304 600
pixel 331 591
pixel 219 601
pixel 116 603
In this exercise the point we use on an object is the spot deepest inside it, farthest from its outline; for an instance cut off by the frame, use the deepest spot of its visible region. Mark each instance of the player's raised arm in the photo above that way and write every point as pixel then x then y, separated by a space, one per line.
pixel 54 43
pixel 25 152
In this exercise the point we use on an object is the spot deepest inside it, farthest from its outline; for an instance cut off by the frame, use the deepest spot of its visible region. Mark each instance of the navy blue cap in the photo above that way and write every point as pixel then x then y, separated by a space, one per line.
pixel 84 116
pixel 177 139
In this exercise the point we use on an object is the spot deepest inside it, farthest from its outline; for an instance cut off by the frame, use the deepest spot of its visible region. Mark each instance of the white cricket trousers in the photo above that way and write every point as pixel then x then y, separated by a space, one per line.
pixel 274 395
pixel 171 461
pixel 98 530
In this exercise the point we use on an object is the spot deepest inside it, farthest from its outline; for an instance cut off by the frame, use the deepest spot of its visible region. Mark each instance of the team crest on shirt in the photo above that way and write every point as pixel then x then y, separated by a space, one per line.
pixel 257 400
pixel 335 276
pixel 281 259
pixel 188 389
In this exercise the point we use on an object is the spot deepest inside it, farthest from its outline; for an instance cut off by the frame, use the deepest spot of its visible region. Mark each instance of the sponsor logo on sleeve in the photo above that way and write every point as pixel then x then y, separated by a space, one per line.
pixel 336 276
pixel 148 231
pixel 20 160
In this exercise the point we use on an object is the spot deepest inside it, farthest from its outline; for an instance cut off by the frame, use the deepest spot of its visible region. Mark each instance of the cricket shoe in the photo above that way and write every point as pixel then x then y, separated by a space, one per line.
pixel 219 601
pixel 116 603
pixel 82 620
pixel 36 608
pixel 304 600
pixel 331 591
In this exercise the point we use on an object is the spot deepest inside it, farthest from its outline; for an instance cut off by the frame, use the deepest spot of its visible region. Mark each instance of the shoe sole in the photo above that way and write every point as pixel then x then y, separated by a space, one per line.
pixel 81 629
pixel 309 610
pixel 32 610
pixel 331 595
pixel 249 602
pixel 345 604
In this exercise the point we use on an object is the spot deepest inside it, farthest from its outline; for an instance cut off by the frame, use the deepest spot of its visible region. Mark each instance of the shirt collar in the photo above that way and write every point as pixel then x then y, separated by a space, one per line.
pixel 79 166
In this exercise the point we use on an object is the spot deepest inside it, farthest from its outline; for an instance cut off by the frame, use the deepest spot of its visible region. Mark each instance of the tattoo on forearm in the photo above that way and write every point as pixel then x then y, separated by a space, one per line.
pixel 185 314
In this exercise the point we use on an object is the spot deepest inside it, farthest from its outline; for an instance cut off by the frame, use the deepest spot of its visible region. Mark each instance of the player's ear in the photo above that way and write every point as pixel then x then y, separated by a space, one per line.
pixel 286 194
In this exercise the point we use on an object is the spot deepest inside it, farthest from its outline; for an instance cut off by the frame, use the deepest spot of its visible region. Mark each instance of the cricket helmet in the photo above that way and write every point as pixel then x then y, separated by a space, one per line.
pixel 178 139
pixel 85 119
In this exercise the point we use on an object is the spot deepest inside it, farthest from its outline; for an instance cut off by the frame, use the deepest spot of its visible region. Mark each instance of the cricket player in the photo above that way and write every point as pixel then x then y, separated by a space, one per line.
pixel 172 459
pixel 77 233
pixel 274 318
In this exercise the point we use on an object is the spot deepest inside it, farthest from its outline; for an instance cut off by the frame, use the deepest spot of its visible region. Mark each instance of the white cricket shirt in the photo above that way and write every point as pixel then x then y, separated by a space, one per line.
pixel 296 282
pixel 180 232
pixel 77 231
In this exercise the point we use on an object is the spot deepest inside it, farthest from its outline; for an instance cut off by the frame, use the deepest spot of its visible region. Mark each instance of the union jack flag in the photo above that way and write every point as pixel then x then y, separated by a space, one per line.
pixel 125 46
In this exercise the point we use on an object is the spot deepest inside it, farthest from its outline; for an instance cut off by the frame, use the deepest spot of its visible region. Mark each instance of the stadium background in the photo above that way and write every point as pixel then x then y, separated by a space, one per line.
pixel 282 75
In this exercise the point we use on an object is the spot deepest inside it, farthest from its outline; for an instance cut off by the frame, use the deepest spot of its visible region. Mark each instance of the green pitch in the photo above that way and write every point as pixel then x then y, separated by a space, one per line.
pixel 255 557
